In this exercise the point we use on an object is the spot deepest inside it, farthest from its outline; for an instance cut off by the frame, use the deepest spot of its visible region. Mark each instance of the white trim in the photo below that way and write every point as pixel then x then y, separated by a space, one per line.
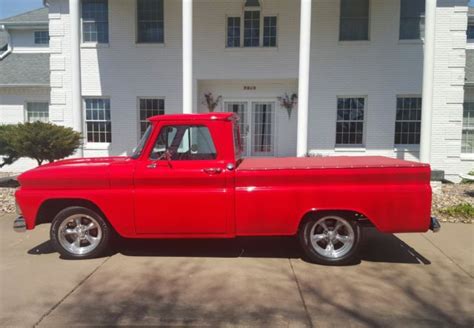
pixel 467 157
pixel 75 39
pixel 187 20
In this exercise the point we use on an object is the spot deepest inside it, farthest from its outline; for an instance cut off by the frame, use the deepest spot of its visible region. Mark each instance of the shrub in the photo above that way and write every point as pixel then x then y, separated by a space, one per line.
pixel 464 210
pixel 7 151
pixel 40 141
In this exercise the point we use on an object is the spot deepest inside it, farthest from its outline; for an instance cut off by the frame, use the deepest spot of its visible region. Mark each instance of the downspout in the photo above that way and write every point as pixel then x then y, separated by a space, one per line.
pixel 9 43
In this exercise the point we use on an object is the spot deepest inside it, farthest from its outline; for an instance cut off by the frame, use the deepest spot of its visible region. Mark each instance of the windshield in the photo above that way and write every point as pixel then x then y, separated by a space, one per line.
pixel 138 150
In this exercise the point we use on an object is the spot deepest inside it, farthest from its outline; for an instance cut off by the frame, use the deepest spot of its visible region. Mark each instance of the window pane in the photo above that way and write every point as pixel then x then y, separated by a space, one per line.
pixel 408 121
pixel 149 108
pixel 185 142
pixel 412 19
pixel 470 31
pixel 95 21
pixel 251 28
pixel 350 121
pixel 233 32
pixel 354 21
pixel 36 111
pixel 150 23
pixel 270 31
pixel 98 124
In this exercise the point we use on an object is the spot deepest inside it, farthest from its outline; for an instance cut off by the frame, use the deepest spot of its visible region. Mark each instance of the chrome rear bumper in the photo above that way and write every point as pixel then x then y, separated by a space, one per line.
pixel 19 225
pixel 435 226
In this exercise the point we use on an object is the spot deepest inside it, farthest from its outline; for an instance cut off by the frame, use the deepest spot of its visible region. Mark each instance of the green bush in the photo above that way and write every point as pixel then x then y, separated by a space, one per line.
pixel 39 141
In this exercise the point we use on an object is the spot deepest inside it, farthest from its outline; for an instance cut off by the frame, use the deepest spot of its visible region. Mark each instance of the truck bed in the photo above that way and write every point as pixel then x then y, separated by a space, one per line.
pixel 333 162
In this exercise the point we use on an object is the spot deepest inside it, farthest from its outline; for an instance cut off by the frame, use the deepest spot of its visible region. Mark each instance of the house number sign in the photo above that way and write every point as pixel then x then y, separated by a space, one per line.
pixel 250 87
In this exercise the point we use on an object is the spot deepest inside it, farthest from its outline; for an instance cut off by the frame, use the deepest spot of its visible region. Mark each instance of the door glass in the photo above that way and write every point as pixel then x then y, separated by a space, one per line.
pixel 262 129
pixel 185 142
pixel 240 108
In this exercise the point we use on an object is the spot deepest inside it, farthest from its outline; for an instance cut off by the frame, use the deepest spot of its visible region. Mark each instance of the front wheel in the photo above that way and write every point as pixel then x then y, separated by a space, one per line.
pixel 79 233
pixel 330 239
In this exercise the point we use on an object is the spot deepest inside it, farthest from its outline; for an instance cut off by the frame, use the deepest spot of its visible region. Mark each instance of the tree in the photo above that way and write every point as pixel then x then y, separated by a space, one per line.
pixel 7 152
pixel 41 141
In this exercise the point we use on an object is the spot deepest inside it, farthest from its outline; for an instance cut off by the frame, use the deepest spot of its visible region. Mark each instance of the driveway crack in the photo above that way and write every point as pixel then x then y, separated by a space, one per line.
pixel 301 294
pixel 70 292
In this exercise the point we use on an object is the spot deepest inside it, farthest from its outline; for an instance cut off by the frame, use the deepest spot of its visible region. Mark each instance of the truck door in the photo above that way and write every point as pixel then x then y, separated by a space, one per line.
pixel 180 187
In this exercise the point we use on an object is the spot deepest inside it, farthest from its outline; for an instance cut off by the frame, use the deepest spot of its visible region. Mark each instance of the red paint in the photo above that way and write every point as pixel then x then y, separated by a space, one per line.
pixel 267 196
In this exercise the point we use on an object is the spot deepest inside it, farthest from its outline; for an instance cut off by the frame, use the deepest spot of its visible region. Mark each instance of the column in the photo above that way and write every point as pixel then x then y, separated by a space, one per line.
pixel 303 84
pixel 428 79
pixel 187 56
pixel 74 16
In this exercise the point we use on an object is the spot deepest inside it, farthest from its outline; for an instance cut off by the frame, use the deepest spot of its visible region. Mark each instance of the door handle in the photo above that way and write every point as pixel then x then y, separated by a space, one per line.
pixel 212 170
pixel 151 166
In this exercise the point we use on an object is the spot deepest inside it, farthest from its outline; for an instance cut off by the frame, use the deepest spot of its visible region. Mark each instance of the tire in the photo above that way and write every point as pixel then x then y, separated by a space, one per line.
pixel 80 233
pixel 316 236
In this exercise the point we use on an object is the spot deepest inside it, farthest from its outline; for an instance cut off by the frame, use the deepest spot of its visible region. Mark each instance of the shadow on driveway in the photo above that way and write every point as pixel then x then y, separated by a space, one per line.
pixel 376 247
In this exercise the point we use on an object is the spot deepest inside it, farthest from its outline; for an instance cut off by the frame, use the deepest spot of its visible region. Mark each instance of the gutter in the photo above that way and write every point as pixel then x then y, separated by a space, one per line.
pixel 9 43
pixel 19 85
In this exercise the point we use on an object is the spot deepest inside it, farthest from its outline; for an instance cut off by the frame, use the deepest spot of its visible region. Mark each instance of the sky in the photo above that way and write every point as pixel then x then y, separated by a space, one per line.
pixel 14 7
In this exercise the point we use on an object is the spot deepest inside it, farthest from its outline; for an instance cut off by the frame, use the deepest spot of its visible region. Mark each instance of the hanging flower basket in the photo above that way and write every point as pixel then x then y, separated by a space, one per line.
pixel 210 102
pixel 288 102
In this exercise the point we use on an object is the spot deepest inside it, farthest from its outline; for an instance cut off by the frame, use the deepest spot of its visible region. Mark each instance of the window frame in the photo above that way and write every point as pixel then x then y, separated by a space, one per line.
pixel 422 32
pixel 470 40
pixel 139 135
pixel 94 43
pixel 339 147
pixel 35 38
pixel 369 23
pixel 276 31
pixel 227 31
pixel 85 121
pixel 137 30
pixel 407 145
pixel 25 114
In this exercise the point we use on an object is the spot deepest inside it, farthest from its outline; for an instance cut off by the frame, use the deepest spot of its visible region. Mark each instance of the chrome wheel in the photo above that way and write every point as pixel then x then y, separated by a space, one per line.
pixel 332 237
pixel 79 234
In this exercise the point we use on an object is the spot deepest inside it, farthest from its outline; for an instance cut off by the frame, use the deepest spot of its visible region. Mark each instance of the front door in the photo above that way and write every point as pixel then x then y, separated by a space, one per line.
pixel 257 126
pixel 181 187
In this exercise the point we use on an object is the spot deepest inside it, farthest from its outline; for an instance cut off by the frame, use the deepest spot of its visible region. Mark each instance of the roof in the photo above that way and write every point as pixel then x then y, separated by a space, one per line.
pixel 333 162
pixel 469 66
pixel 3 40
pixel 25 70
pixel 37 16
pixel 192 117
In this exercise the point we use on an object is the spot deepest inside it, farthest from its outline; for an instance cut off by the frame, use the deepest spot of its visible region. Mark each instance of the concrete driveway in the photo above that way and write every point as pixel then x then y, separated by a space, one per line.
pixel 408 279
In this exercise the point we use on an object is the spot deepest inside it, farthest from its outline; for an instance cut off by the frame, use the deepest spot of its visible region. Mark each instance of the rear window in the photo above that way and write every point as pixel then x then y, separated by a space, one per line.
pixel 237 141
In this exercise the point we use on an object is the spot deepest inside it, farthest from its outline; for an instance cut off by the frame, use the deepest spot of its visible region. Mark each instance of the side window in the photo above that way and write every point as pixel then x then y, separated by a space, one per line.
pixel 184 142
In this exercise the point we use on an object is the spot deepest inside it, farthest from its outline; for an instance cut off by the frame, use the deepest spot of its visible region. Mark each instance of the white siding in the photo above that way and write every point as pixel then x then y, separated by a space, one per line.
pixel 24 41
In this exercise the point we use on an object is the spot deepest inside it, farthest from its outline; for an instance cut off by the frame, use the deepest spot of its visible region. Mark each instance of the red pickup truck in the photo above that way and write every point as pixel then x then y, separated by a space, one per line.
pixel 186 179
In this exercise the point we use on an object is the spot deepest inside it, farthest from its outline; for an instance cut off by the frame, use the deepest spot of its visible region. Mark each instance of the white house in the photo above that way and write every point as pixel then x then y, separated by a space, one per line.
pixel 24 71
pixel 381 77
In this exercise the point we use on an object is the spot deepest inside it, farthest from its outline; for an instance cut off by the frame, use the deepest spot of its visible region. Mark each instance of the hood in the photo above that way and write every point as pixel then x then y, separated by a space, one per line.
pixel 76 173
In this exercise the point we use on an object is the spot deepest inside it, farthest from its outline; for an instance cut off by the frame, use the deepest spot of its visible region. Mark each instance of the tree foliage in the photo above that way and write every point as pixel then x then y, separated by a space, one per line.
pixel 38 140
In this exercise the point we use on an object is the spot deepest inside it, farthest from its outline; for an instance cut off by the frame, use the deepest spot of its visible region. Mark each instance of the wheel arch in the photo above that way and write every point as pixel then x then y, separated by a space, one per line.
pixel 51 207
pixel 346 213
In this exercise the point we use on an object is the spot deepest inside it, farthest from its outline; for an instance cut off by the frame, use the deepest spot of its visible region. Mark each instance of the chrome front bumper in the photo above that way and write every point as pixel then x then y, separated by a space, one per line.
pixel 19 225
pixel 435 226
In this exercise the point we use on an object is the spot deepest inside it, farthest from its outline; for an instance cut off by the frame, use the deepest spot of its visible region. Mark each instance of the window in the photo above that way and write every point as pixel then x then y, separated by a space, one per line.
pixel 270 31
pixel 467 143
pixel 184 142
pixel 98 124
pixel 412 19
pixel 95 21
pixel 350 121
pixel 252 28
pixel 470 31
pixel 37 111
pixel 149 108
pixel 408 121
pixel 41 37
pixel 150 23
pixel 354 22
pixel 233 32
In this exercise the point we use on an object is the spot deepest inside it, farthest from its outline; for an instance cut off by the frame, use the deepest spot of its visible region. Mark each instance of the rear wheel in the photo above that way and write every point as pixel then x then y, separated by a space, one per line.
pixel 79 233
pixel 330 239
